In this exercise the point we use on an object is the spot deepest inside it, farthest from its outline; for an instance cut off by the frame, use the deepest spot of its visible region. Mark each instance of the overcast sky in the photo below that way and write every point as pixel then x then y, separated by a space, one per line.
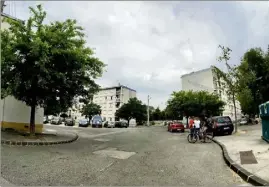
pixel 149 45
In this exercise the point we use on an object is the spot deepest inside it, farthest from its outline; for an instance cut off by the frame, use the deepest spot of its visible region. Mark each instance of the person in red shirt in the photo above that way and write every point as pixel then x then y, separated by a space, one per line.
pixel 191 122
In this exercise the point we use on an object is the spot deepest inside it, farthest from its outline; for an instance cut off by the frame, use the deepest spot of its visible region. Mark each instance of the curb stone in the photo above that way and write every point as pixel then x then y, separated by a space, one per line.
pixel 22 143
pixel 244 174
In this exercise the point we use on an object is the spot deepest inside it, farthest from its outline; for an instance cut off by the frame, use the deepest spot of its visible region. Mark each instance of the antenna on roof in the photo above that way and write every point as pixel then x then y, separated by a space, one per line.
pixel 2 6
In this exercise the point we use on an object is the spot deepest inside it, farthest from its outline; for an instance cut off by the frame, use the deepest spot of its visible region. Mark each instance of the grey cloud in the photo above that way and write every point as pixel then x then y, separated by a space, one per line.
pixel 160 41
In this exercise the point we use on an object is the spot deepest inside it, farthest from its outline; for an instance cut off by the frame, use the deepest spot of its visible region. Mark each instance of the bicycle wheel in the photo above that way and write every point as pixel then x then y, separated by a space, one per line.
pixel 192 138
pixel 209 136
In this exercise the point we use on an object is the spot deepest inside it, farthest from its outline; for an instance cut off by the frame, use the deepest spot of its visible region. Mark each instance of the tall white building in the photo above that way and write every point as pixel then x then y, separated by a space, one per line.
pixel 205 80
pixel 111 99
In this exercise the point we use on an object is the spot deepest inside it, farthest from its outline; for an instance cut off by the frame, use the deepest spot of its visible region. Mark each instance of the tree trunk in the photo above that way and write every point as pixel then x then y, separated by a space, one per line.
pixel 235 115
pixel 32 120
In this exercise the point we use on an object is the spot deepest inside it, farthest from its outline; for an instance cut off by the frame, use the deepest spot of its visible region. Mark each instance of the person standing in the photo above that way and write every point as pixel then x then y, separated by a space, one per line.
pixel 191 125
pixel 197 124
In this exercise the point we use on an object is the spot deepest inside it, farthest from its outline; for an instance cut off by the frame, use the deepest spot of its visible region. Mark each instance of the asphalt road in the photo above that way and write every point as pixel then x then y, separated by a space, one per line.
pixel 124 157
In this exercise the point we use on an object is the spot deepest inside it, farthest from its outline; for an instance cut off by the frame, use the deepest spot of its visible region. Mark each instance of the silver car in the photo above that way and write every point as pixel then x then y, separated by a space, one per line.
pixel 111 124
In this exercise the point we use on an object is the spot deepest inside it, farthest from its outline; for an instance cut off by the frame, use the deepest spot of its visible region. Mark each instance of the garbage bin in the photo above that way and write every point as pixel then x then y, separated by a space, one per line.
pixel 264 114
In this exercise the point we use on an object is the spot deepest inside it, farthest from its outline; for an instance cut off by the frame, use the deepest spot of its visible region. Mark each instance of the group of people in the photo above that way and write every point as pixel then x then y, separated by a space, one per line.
pixel 197 125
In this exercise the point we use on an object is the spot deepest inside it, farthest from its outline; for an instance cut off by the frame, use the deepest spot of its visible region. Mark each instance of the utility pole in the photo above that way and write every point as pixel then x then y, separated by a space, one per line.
pixel 148 110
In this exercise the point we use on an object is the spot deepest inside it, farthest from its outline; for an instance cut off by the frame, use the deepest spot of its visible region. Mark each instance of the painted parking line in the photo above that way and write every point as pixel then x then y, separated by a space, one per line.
pixel 50 130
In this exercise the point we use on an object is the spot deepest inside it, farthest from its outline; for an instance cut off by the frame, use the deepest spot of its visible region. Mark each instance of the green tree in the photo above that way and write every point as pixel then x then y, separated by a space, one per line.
pixel 190 103
pixel 91 109
pixel 253 80
pixel 42 62
pixel 134 109
pixel 227 81
pixel 52 108
pixel 157 114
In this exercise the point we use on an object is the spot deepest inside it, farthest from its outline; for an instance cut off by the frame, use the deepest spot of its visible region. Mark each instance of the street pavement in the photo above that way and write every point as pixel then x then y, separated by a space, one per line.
pixel 124 157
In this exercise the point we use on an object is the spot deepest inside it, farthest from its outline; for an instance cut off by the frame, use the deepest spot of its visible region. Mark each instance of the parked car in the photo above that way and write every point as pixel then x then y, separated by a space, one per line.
pixel 69 122
pixel 222 125
pixel 56 121
pixel 109 124
pixel 244 121
pixel 83 123
pixel 121 124
pixel 97 121
pixel 45 120
pixel 175 126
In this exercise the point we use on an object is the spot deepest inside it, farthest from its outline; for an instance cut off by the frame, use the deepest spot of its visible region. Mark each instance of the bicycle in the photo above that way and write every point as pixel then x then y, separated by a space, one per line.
pixel 199 135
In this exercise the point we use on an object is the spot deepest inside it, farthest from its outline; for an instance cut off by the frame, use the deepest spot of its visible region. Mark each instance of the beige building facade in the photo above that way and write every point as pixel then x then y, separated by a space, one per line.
pixel 111 99
pixel 204 80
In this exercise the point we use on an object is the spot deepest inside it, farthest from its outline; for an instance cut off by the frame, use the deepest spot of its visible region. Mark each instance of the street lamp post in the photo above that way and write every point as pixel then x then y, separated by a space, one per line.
pixel 148 111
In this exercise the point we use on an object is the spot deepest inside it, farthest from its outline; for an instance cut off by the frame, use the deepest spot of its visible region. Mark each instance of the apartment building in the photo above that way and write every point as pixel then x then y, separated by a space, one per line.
pixel 111 99
pixel 205 80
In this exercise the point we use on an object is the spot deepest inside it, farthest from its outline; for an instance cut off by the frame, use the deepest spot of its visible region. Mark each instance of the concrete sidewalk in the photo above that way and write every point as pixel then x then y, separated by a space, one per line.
pixel 248 138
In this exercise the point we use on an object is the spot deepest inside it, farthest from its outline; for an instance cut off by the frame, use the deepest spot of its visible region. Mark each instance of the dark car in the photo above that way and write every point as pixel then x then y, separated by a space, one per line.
pixel 121 124
pixel 97 121
pixel 83 123
pixel 222 125
pixel 45 120
pixel 69 122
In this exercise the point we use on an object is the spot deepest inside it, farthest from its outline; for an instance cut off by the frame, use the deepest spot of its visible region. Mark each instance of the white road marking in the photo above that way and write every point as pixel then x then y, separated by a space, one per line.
pixel 104 134
pixel 102 140
pixel 50 130
pixel 109 165
pixel 112 152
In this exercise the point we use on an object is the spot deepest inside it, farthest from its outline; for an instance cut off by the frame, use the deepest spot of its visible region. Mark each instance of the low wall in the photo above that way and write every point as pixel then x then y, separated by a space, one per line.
pixel 16 115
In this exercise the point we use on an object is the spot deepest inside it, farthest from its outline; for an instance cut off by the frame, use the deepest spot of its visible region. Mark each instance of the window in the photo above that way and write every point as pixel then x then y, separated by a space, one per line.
pixel 105 97
pixel 110 105
pixel 104 119
pixel 111 97
pixel 110 119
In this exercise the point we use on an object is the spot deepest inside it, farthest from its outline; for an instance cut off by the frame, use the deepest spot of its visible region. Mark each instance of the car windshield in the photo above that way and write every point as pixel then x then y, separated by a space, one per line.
pixel 83 120
pixel 96 118
pixel 224 119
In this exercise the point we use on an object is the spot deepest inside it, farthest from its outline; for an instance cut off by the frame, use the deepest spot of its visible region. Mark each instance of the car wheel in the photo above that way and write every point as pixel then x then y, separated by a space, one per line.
pixel 230 133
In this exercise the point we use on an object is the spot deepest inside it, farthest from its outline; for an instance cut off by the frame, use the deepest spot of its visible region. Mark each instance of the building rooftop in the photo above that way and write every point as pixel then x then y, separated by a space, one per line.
pixel 11 17
pixel 115 87
pixel 194 72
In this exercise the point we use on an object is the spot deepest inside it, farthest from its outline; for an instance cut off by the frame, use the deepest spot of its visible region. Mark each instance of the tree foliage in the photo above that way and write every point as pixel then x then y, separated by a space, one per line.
pixel 54 107
pixel 91 109
pixel 157 114
pixel 227 81
pixel 45 62
pixel 253 78
pixel 190 103
pixel 134 109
